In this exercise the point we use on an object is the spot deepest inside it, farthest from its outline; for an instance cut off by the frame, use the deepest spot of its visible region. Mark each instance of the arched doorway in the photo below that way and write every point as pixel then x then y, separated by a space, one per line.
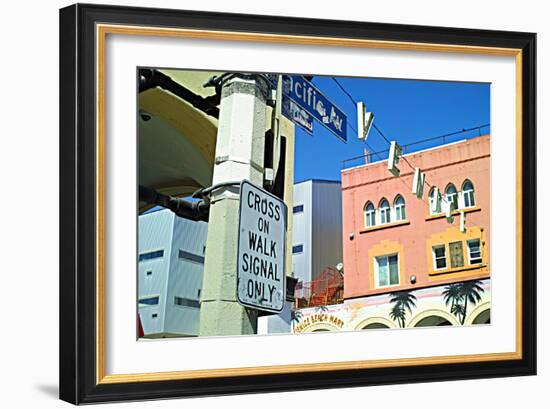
pixel 433 318
pixel 480 315
pixel 484 317
pixel 375 325
pixel 433 321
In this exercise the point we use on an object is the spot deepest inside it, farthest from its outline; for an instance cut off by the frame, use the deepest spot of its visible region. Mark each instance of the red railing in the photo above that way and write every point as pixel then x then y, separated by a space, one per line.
pixel 327 289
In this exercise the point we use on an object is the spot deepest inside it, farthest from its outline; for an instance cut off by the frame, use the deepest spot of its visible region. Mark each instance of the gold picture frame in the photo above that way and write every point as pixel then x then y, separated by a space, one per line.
pixel 84 30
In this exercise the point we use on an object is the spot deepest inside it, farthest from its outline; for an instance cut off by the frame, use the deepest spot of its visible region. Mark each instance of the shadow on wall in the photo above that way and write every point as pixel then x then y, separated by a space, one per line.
pixel 49 390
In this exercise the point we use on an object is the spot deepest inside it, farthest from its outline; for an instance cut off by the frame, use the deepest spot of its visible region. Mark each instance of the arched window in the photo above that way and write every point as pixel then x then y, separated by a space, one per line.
pixel 435 201
pixel 370 212
pixel 385 211
pixel 468 194
pixel 451 195
pixel 399 206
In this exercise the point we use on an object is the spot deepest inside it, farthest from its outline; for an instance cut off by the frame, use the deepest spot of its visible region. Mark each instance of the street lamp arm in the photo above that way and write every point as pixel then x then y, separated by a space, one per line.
pixel 196 211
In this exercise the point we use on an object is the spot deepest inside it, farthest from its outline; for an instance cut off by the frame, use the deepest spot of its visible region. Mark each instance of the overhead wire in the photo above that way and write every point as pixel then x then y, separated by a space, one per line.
pixel 366 144
pixel 373 124
pixel 352 99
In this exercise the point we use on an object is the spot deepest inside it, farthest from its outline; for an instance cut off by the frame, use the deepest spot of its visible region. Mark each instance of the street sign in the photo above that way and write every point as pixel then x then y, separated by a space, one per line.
pixel 297 115
pixel 307 102
pixel 307 96
pixel 261 278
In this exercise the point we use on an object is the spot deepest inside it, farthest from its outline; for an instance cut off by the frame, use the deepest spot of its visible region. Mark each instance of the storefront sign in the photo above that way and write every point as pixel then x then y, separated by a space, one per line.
pixel 319 318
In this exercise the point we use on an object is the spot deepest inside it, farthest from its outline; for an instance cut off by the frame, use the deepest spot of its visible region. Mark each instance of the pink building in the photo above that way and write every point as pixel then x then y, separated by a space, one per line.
pixel 394 241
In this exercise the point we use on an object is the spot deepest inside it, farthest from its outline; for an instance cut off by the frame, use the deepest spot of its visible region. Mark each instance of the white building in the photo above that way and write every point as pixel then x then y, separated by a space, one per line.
pixel 316 227
pixel 170 270
pixel 316 240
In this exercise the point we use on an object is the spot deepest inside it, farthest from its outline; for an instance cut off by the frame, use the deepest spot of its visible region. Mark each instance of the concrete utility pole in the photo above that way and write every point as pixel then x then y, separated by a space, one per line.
pixel 239 155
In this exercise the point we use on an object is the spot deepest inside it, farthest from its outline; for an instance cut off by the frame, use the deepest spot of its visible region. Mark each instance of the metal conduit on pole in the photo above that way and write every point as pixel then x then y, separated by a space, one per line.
pixel 182 208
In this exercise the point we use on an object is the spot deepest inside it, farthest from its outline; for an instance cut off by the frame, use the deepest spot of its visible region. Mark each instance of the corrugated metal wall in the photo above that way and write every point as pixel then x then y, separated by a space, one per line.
pixel 155 233
pixel 186 272
pixel 318 228
pixel 171 276
pixel 326 226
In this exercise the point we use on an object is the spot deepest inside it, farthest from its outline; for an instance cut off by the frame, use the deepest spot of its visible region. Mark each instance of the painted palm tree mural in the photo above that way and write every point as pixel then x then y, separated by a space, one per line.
pixel 402 301
pixel 397 314
pixel 471 291
pixel 452 296
pixel 460 295
pixel 321 309
pixel 296 316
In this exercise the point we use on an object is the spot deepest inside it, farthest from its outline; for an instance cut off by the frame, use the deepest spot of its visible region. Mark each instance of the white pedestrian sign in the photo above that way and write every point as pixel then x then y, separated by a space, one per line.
pixel 261 279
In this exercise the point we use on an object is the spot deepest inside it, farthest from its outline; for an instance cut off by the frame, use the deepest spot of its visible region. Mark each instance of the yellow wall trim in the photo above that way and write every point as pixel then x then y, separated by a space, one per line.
pixel 387 248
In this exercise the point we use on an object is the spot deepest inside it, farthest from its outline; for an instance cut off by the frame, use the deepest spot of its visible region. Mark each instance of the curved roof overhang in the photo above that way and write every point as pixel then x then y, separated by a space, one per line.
pixel 177 141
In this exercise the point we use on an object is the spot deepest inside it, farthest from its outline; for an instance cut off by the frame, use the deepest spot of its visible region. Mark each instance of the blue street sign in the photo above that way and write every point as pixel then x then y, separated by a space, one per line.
pixel 311 102
pixel 297 115
pixel 307 96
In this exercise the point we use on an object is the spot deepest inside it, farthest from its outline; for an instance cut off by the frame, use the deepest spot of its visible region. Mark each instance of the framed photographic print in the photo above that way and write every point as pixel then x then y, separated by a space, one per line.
pixel 257 203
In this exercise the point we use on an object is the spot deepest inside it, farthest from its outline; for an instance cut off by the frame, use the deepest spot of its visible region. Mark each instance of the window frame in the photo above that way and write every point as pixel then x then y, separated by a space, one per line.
pixel 469 252
pixel 367 213
pixel 142 257
pixel 454 199
pixel 186 302
pixel 435 258
pixel 190 257
pixel 297 209
pixel 469 193
pixel 399 209
pixel 454 243
pixel 377 271
pixel 384 211
pixel 148 297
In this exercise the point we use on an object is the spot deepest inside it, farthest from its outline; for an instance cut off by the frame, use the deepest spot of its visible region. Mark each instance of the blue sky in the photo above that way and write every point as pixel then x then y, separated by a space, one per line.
pixel 405 111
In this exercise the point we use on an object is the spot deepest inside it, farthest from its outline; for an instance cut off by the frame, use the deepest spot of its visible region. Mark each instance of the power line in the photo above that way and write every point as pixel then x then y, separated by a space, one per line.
pixel 355 103
pixel 384 136
pixel 372 150
pixel 344 91
pixel 389 142
pixel 355 130
pixel 380 132
pixel 406 146
pixel 367 145
pixel 373 124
